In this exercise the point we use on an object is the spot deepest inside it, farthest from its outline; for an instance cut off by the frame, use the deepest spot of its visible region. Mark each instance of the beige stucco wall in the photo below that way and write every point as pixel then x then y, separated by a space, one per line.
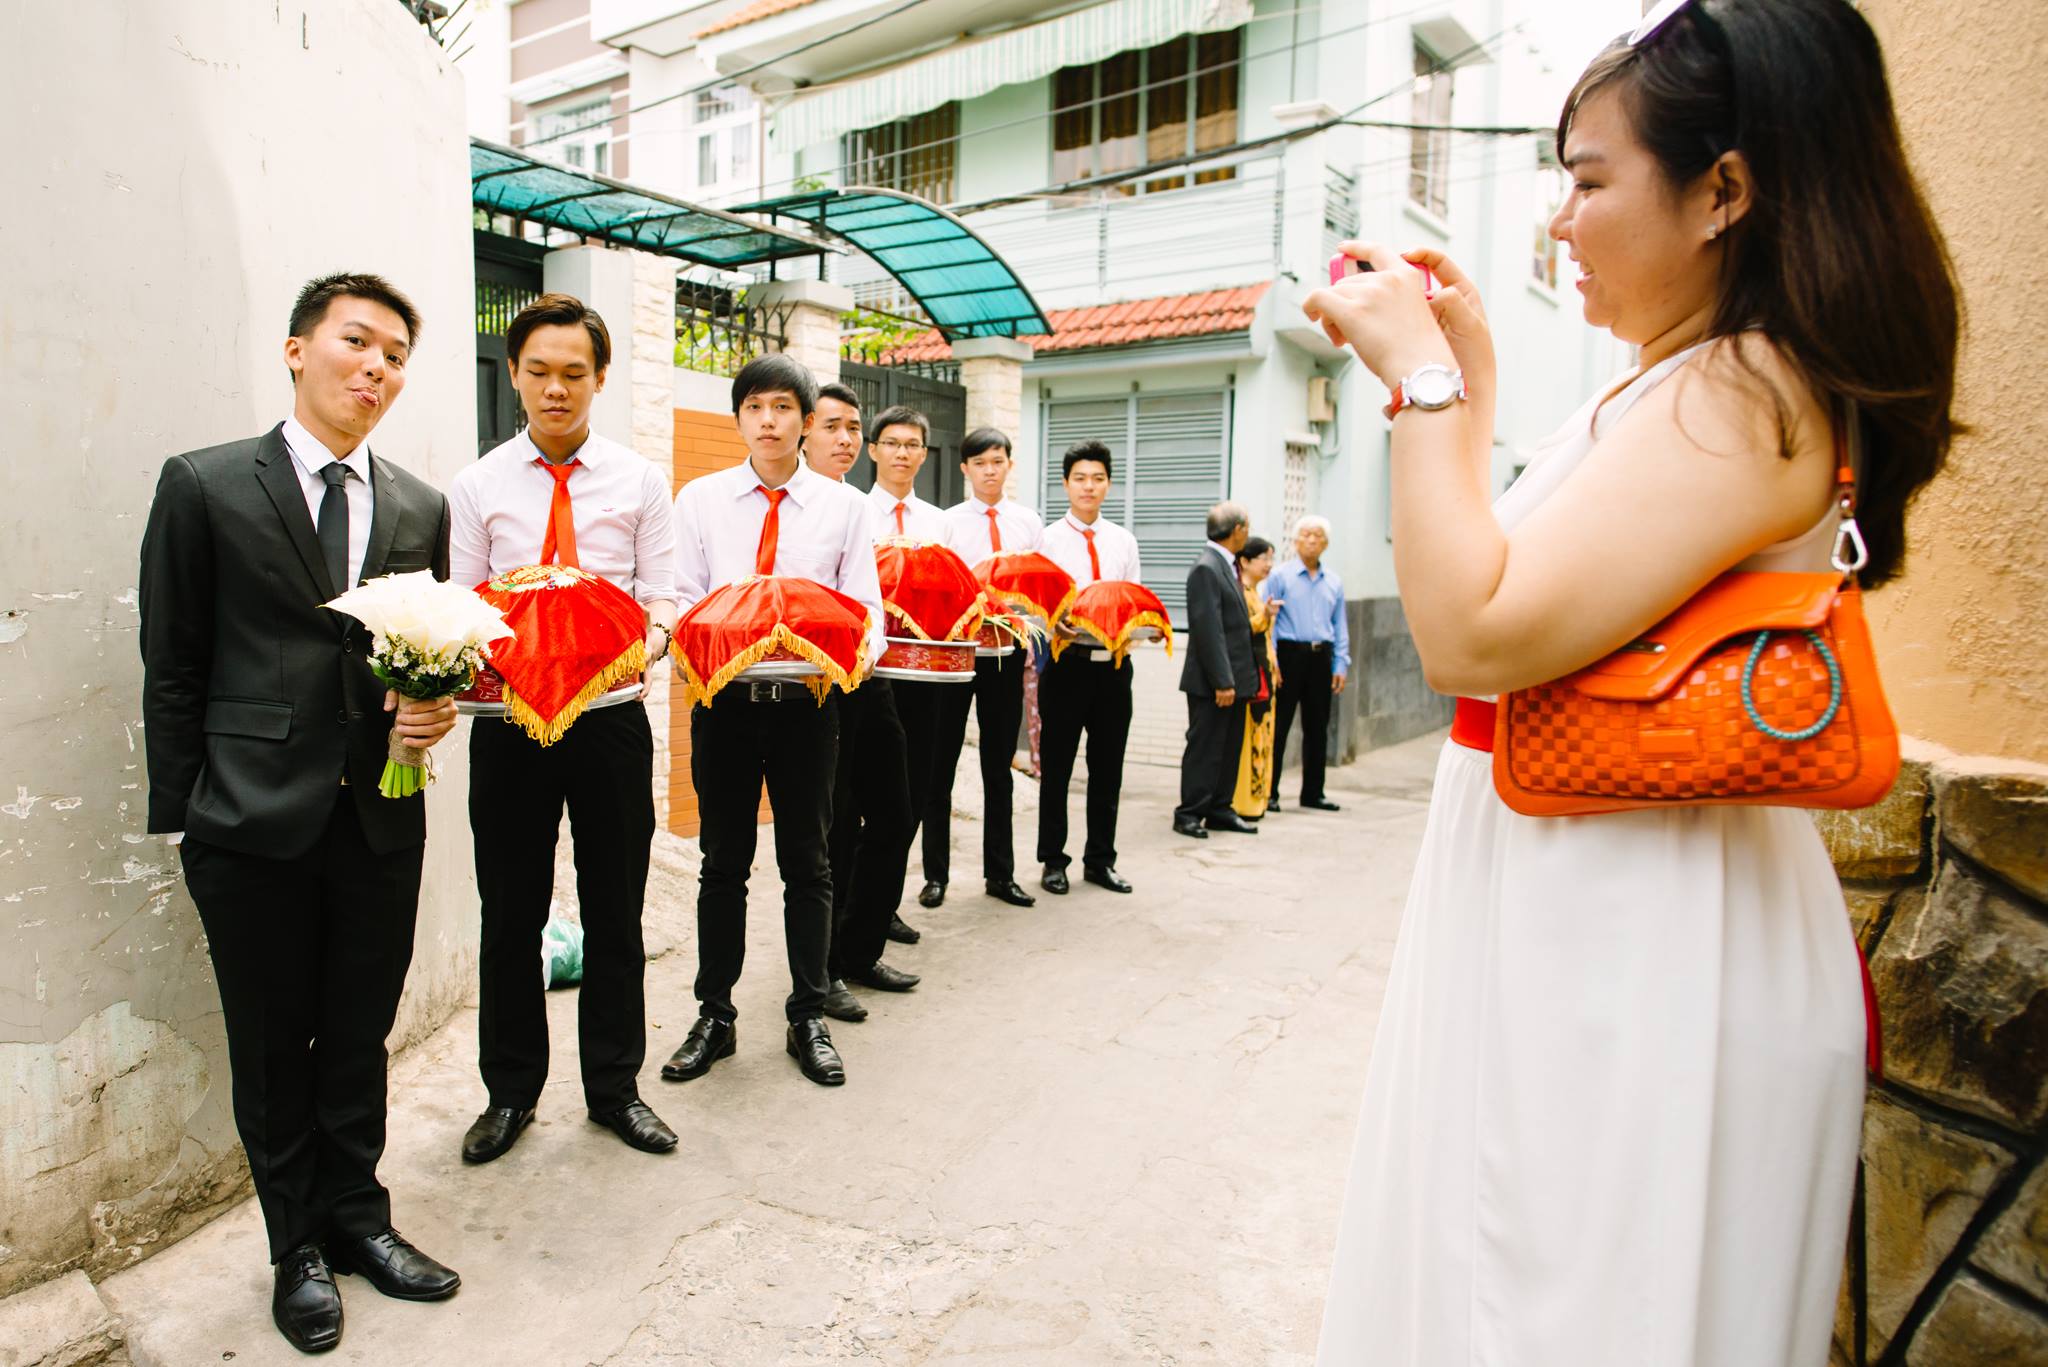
pixel 1963 638
pixel 176 170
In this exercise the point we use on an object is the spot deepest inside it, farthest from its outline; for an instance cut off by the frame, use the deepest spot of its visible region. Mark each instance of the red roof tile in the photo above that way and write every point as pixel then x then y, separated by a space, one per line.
pixel 1121 324
pixel 748 14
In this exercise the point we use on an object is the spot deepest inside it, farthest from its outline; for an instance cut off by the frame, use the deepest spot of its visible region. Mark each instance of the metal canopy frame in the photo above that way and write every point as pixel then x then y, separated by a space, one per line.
pixel 505 180
pixel 967 292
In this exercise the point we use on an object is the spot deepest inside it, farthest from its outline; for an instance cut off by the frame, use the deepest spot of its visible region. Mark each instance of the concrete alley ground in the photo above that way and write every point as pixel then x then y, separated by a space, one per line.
pixel 1106 1130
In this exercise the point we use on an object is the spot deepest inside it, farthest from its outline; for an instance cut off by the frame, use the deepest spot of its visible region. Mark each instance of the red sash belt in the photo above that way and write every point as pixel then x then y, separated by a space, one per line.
pixel 1472 724
pixel 1472 727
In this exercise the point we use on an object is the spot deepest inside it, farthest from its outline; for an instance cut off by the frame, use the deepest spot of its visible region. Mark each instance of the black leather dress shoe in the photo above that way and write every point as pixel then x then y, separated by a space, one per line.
pixel 1273 803
pixel 1231 821
pixel 931 895
pixel 709 1041
pixel 1008 891
pixel 883 978
pixel 492 1134
pixel 303 1301
pixel 810 1044
pixel 1105 878
pixel 1054 881
pixel 639 1126
pixel 842 1005
pixel 901 933
pixel 1320 804
pixel 1189 828
pixel 386 1261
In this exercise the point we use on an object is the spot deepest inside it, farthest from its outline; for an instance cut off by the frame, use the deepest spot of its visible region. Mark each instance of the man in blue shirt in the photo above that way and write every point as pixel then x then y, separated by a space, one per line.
pixel 1313 643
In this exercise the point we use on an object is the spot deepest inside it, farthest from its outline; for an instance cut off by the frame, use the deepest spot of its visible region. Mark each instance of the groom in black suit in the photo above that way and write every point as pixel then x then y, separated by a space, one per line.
pixel 266 735
pixel 1219 676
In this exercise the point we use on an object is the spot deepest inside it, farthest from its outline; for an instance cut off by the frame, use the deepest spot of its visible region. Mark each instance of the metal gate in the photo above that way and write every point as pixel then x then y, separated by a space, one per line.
pixel 943 403
pixel 507 280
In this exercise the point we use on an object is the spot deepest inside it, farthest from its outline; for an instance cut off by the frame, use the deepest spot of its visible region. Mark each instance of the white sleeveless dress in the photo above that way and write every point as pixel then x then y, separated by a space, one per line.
pixel 1613 1107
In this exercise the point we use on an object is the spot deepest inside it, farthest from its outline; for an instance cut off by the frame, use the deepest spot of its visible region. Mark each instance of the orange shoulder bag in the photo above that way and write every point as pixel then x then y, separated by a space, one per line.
pixel 1761 689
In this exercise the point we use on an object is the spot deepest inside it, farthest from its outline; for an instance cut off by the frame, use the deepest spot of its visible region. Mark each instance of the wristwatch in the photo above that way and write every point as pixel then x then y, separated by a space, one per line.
pixel 1429 388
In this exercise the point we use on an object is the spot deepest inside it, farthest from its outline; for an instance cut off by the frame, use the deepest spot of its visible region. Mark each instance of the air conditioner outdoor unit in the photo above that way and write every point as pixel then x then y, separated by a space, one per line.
pixel 1322 399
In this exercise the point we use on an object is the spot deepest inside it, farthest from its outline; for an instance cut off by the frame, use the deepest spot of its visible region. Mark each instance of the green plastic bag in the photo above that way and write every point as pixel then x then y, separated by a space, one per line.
pixel 561 953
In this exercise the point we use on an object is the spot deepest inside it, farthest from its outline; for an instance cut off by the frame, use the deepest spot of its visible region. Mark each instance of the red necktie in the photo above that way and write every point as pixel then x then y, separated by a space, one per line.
pixel 1094 560
pixel 995 532
pixel 899 519
pixel 561 533
pixel 771 530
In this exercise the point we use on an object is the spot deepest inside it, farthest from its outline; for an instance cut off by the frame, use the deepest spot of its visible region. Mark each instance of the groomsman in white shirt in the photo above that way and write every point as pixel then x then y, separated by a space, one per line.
pixel 558 493
pixel 1085 690
pixel 985 523
pixel 770 514
pixel 898 457
pixel 873 821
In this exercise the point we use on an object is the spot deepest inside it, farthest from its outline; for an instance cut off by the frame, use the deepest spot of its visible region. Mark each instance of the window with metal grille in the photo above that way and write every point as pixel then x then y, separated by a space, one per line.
pixel 1551 185
pixel 1174 100
pixel 914 155
pixel 1429 144
pixel 1170 458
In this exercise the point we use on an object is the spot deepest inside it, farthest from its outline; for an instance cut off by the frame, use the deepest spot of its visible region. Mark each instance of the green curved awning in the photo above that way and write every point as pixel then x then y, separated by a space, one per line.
pixel 505 180
pixel 964 287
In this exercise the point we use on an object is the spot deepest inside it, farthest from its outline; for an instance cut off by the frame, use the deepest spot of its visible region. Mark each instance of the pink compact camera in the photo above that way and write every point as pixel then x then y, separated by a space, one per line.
pixel 1342 265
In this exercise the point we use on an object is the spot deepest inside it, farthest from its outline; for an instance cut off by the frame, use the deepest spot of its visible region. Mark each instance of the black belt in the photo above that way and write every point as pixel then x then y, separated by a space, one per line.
pixel 767 690
pixel 1307 645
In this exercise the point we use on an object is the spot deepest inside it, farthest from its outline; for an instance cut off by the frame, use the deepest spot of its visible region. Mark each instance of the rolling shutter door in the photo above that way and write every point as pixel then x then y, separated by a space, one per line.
pixel 1171 453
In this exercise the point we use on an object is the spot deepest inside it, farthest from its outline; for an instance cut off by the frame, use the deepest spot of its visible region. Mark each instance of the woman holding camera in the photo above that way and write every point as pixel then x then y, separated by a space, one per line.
pixel 1613 1107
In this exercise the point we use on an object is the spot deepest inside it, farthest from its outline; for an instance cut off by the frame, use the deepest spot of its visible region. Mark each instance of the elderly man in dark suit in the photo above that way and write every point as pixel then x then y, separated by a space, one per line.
pixel 1219 677
pixel 266 735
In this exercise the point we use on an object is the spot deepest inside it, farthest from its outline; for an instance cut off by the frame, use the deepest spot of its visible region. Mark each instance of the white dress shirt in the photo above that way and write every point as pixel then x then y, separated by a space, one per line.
pixel 822 534
pixel 921 520
pixel 498 516
pixel 967 529
pixel 309 457
pixel 1116 549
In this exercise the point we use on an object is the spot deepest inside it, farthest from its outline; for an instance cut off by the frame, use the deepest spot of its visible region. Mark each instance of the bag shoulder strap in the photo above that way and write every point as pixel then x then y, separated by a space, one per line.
pixel 1849 554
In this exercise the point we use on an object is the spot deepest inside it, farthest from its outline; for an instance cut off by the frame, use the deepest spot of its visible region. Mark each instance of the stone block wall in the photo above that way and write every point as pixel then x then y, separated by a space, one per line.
pixel 1385 699
pixel 1947 883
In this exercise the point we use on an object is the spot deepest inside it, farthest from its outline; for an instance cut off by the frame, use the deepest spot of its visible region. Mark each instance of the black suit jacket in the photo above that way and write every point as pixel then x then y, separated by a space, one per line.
pixel 255 699
pixel 1220 655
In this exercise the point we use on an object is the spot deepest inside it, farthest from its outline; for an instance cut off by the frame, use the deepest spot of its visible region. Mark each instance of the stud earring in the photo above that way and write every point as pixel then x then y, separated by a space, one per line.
pixel 1713 231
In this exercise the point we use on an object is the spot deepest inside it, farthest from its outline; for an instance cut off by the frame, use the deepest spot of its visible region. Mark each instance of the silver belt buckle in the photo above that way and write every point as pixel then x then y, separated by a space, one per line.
pixel 764 690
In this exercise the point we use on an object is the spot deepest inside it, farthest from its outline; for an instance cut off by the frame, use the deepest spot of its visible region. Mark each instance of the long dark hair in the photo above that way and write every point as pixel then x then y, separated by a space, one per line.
pixel 1838 262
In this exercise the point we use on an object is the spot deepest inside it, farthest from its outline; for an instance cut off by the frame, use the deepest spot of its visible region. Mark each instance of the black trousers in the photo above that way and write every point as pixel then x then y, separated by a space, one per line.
pixel 310 955
pixel 602 770
pixel 998 698
pixel 1208 766
pixel 735 745
pixel 873 824
pixel 922 708
pixel 1078 693
pixel 1304 683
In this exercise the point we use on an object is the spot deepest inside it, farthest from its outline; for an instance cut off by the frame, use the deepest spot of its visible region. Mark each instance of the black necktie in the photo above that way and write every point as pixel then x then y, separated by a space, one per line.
pixel 333 528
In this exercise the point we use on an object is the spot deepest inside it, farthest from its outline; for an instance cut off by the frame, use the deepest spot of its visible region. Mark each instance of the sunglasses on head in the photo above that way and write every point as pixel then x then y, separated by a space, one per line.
pixel 1656 19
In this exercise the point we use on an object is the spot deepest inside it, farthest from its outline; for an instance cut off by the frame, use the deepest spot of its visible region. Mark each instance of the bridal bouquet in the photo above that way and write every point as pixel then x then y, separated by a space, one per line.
pixel 428 639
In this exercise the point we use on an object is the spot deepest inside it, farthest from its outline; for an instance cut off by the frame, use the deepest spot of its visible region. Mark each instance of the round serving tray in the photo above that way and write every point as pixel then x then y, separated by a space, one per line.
pixel 900 661
pixel 623 693
pixel 782 669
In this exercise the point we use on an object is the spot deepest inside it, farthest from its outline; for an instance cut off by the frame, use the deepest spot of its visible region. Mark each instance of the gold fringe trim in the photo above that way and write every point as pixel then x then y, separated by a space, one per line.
pixel 697 690
pixel 968 626
pixel 1019 600
pixel 547 732
pixel 1120 647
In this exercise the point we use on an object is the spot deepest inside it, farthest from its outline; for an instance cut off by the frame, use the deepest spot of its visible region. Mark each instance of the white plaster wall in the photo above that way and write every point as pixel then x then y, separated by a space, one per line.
pixel 178 170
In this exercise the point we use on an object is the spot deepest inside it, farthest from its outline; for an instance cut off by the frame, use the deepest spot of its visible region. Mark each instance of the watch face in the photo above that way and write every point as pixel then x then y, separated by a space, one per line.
pixel 1432 387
